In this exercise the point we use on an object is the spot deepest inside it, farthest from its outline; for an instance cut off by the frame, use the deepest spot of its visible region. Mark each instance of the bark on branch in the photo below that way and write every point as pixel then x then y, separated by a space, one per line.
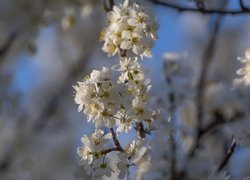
pixel 227 156
pixel 108 5
pixel 5 48
pixel 116 142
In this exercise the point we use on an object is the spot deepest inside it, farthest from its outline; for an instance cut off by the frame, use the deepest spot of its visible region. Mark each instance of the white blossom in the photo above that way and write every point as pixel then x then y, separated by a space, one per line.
pixel 90 152
pixel 132 28
pixel 136 153
pixel 109 99
pixel 126 64
pixel 117 98
pixel 100 97
pixel 69 20
pixel 244 72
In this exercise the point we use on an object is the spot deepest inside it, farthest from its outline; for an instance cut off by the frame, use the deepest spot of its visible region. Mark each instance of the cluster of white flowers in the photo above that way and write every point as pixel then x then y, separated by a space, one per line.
pixel 244 72
pixel 110 100
pixel 132 28
pixel 117 97
pixel 137 153
pixel 95 161
pixel 101 97
pixel 91 152
pixel 72 15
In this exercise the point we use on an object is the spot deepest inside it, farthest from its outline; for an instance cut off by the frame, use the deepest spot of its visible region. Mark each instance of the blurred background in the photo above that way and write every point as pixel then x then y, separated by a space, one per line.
pixel 46 46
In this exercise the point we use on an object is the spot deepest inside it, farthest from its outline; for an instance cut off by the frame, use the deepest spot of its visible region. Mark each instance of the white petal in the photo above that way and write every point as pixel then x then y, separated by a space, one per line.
pixel 133 22
pixel 137 50
pixel 80 107
pixel 126 45
pixel 241 71
pixel 126 34
pixel 116 67
pixel 247 53
pixel 126 3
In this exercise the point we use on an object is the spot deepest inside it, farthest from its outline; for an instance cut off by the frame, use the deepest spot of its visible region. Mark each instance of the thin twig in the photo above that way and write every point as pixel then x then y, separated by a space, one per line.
pixel 171 66
pixel 200 5
pixel 182 8
pixel 217 122
pixel 7 45
pixel 243 6
pixel 106 151
pixel 116 142
pixel 5 163
pixel 227 156
pixel 108 5
pixel 171 99
pixel 141 132
pixel 219 119
pixel 205 64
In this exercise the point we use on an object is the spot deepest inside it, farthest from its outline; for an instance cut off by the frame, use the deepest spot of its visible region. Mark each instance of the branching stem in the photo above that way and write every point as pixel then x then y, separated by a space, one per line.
pixel 227 156
pixel 205 64
pixel 171 99
pixel 106 151
pixel 108 5
pixel 116 141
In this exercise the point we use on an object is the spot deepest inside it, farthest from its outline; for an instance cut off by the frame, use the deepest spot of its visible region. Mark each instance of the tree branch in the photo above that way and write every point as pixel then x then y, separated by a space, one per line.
pixel 117 143
pixel 205 64
pixel 201 10
pixel 141 132
pixel 106 151
pixel 227 156
pixel 218 121
pixel 5 163
pixel 7 45
pixel 108 5
pixel 172 108
pixel 243 6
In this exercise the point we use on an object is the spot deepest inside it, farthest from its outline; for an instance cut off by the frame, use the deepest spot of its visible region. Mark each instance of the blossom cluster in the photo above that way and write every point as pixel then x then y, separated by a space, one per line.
pixel 244 72
pixel 116 98
pixel 113 100
pixel 110 100
pixel 132 28
pixel 95 159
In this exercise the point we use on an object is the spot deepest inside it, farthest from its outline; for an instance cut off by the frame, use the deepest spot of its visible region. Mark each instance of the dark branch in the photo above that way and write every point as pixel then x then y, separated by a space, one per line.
pixel 172 109
pixel 5 164
pixel 219 120
pixel 243 6
pixel 227 156
pixel 206 61
pixel 108 5
pixel 141 132
pixel 200 5
pixel 7 45
pixel 106 151
pixel 117 143
pixel 200 10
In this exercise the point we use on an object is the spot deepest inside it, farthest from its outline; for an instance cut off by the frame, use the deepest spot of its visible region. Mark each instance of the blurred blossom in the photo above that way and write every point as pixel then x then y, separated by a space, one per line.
pixel 178 74
pixel 244 72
